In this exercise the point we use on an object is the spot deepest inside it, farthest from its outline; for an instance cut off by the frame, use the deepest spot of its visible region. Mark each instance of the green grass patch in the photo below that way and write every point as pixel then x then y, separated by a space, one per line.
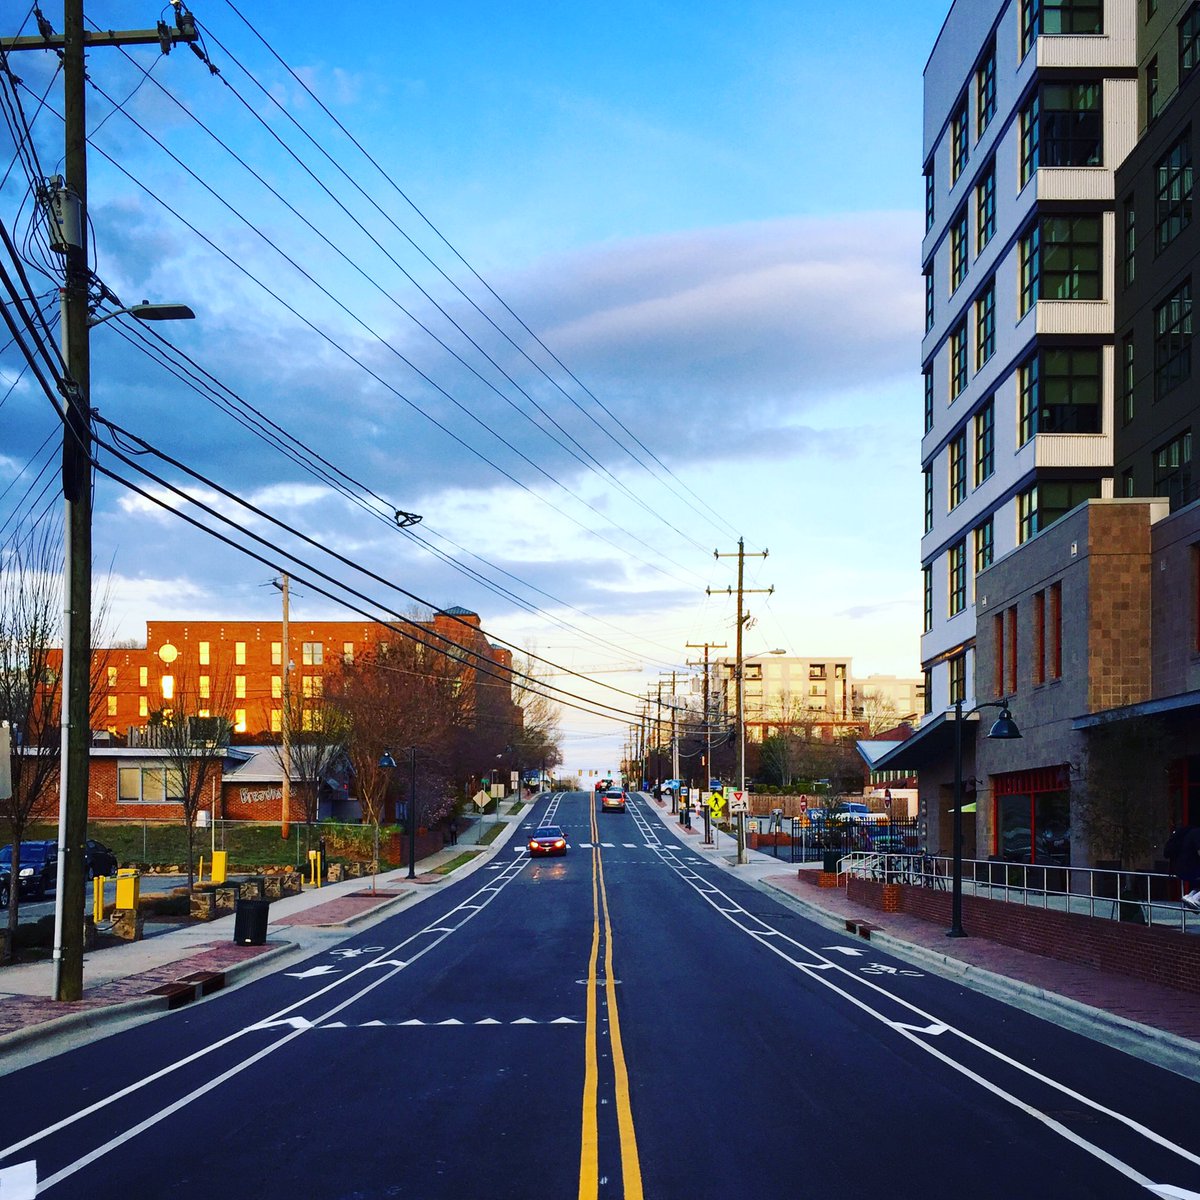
pixel 490 834
pixel 457 861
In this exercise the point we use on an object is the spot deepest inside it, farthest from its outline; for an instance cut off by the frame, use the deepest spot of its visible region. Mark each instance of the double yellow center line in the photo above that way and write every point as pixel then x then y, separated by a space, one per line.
pixel 589 1149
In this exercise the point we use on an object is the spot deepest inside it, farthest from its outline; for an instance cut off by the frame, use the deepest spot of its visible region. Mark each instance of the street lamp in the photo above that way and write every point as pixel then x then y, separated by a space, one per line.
pixel 386 763
pixel 1004 729
pixel 412 812
pixel 77 323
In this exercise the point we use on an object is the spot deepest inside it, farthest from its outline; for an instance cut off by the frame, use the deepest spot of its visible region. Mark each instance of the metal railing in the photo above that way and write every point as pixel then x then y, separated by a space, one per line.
pixel 1139 897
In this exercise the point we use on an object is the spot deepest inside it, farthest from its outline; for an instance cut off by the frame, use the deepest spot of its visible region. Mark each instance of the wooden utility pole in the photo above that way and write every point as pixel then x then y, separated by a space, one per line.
pixel 70 232
pixel 742 591
pixel 706 646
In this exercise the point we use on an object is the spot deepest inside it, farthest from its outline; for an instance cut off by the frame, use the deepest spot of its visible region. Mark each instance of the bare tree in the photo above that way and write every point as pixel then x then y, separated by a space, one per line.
pixel 193 728
pixel 879 711
pixel 536 740
pixel 317 733
pixel 30 613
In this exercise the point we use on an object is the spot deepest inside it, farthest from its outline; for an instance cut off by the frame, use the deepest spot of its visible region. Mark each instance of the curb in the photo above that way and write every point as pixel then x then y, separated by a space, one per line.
pixel 108 1014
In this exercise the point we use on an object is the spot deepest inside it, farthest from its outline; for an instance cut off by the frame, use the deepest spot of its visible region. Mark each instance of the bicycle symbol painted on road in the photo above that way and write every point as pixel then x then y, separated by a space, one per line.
pixel 884 969
pixel 356 953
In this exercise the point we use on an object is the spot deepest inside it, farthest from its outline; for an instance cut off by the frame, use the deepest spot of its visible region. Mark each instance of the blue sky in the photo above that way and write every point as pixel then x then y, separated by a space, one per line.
pixel 709 213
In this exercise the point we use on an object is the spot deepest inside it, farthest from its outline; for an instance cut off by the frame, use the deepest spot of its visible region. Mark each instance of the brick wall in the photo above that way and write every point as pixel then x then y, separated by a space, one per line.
pixel 1165 956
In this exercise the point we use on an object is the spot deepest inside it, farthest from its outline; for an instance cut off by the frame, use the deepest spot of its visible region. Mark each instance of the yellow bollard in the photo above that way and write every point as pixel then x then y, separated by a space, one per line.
pixel 98 899
pixel 200 876
pixel 312 867
pixel 219 860
pixel 129 888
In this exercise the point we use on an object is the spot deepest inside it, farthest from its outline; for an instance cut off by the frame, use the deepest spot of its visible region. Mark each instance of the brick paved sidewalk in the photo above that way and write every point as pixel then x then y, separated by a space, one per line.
pixel 1145 1003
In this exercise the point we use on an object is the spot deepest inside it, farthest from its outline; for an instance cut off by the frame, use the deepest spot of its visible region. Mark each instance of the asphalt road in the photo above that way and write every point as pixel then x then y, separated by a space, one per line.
pixel 629 1020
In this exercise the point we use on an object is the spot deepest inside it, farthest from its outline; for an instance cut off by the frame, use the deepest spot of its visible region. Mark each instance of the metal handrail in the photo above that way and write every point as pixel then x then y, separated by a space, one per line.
pixel 1140 897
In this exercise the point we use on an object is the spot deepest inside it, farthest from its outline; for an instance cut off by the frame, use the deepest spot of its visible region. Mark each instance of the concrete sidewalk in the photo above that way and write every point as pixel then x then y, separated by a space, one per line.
pixel 165 970
pixel 1154 1022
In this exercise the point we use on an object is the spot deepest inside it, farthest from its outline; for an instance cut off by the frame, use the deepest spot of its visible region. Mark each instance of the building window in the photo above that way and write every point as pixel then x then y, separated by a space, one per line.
pixel 276 721
pixel 1010 638
pixel 1152 88
pixel 1040 506
pixel 1054 630
pixel 1027 395
pixel 149 785
pixel 1189 41
pixel 958 360
pixel 998 654
pixel 985 208
pixel 1173 340
pixel 1126 484
pixel 1173 470
pixel 312 653
pixel 928 301
pixel 112 706
pixel 239 687
pixel 985 90
pixel 929 198
pixel 111 673
pixel 1068 391
pixel 1070 258
pixel 239 720
pixel 348 647
pixel 1030 265
pixel 204 654
pixel 960 136
pixel 958 469
pixel 958 577
pixel 143 706
pixel 204 684
pixel 985 325
pixel 143 676
pixel 985 441
pixel 276 654
pixel 928 499
pixel 959 259
pixel 1173 200
pixel 1039 638
pixel 312 686
pixel 239 654
pixel 958 678
pixel 1127 379
pixel 276 687
pixel 1030 129
pixel 1128 240
pixel 983 546
pixel 1071 125
pixel 927 601
pixel 928 691
pixel 928 374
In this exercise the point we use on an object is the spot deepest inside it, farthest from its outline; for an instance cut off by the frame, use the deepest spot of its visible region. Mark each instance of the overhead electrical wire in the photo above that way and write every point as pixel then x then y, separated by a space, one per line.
pixel 646 451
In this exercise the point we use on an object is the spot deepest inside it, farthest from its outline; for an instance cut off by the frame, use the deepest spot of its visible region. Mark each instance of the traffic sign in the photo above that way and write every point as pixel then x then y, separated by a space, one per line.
pixel 738 806
pixel 804 804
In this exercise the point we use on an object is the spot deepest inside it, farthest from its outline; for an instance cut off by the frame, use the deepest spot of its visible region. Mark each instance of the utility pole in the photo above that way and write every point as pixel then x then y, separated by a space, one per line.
pixel 742 591
pixel 658 736
pixel 706 647
pixel 71 228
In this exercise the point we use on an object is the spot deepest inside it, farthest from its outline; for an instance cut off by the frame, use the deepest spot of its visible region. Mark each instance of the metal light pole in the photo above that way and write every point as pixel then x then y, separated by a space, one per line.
pixel 412 812
pixel 1004 729
pixel 386 763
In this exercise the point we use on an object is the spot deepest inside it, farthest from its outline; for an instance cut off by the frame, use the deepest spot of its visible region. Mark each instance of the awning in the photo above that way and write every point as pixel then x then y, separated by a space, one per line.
pixel 1184 702
pixel 932 743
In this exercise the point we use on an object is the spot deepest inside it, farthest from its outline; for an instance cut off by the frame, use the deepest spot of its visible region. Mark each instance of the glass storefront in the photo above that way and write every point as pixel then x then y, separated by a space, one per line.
pixel 1033 816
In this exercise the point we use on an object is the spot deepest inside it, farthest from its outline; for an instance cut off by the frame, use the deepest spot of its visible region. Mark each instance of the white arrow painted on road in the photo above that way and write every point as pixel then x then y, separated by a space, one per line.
pixel 1173 1192
pixel 853 951
pixel 324 969
pixel 390 962
pixel 933 1030
pixel 294 1022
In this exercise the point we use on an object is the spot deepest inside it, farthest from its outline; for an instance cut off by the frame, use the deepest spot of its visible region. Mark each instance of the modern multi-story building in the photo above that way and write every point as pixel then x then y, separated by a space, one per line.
pixel 1029 107
pixel 1158 249
pixel 820 695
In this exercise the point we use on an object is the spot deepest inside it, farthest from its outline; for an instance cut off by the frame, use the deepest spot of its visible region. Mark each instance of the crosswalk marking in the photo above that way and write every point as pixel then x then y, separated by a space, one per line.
pixel 300 1023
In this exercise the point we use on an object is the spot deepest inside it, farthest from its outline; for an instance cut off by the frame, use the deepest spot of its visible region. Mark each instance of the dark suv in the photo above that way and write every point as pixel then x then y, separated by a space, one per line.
pixel 98 859
pixel 39 867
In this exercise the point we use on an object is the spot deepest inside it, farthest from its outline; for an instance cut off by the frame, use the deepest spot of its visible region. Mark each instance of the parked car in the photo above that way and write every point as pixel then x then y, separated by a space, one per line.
pixel 5 887
pixel 39 867
pixel 98 859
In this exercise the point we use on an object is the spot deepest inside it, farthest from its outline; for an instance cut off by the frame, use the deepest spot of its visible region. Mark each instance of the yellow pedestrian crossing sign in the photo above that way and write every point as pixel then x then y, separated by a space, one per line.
pixel 716 802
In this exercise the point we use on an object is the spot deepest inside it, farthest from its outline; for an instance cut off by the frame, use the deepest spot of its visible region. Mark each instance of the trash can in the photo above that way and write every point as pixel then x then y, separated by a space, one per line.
pixel 830 860
pixel 250 922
